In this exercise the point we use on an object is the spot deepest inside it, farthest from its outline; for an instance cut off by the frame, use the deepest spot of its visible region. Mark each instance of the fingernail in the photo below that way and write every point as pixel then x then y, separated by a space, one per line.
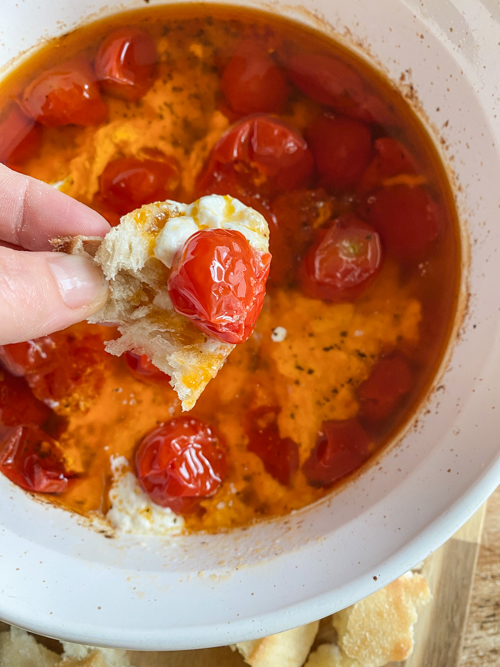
pixel 80 282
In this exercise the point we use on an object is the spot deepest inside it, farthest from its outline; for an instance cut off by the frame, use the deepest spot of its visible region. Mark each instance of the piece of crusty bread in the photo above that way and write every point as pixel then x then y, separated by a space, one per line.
pixel 379 629
pixel 20 649
pixel 330 655
pixel 286 649
pixel 140 305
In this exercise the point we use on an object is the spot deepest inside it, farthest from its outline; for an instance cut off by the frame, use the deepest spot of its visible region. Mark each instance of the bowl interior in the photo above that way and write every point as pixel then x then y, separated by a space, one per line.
pixel 63 579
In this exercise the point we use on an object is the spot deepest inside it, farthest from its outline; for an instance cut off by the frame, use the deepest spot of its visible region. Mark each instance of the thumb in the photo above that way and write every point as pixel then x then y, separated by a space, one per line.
pixel 43 292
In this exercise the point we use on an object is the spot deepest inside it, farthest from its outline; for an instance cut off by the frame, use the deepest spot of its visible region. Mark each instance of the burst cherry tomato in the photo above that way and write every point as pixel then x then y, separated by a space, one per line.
pixel 342 149
pixel 29 357
pixel 218 281
pixel 128 183
pixel 32 460
pixel 341 448
pixel 407 219
pixel 20 137
pixel 296 216
pixel 67 94
pixel 125 63
pixel 388 382
pixel 258 154
pixel 341 265
pixel 143 369
pixel 329 81
pixel 181 462
pixel 279 455
pixel 252 82
pixel 17 403
pixel 391 159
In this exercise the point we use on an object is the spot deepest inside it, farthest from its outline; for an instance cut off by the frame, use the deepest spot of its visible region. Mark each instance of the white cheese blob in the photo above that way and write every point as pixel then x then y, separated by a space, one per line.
pixel 278 334
pixel 132 511
pixel 211 212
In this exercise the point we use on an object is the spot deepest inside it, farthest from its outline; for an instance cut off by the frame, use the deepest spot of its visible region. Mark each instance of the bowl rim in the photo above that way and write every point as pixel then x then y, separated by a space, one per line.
pixel 428 537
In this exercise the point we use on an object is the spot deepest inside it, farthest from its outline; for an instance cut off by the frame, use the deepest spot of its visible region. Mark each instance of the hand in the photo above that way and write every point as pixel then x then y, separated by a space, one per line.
pixel 42 292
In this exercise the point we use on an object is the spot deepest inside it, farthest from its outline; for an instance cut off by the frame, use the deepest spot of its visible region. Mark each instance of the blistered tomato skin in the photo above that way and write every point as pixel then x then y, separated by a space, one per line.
pixel 391 159
pixel 129 183
pixel 407 219
pixel 342 149
pixel 20 137
pixel 257 156
pixel 180 463
pixel 67 94
pixel 341 448
pixel 252 82
pixel 125 63
pixel 32 460
pixel 329 81
pixel 343 262
pixel 380 394
pixel 143 369
pixel 32 356
pixel 218 282
pixel 17 403
pixel 280 456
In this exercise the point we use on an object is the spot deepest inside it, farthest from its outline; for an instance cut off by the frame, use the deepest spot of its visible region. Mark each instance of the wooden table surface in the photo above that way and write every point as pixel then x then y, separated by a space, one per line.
pixel 481 647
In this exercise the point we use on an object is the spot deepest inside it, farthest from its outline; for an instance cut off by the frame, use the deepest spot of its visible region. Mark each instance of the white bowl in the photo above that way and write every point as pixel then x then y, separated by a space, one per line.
pixel 60 578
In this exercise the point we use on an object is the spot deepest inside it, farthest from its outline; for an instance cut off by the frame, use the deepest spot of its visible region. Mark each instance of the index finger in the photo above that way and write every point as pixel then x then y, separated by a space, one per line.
pixel 32 213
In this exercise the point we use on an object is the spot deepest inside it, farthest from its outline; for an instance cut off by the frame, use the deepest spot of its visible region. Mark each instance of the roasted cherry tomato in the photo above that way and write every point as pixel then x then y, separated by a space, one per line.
pixel 180 463
pixel 252 82
pixel 407 219
pixel 32 356
pixel 125 63
pixel 343 262
pixel 391 159
pixel 17 403
pixel 67 94
pixel 218 281
pixel 341 448
pixel 279 455
pixel 388 382
pixel 62 370
pixel 32 460
pixel 128 183
pixel 342 149
pixel 258 154
pixel 74 375
pixel 143 369
pixel 296 217
pixel 329 81
pixel 20 137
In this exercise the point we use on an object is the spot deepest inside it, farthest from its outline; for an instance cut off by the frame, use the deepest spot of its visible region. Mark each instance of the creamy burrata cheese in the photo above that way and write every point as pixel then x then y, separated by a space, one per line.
pixel 211 212
pixel 132 511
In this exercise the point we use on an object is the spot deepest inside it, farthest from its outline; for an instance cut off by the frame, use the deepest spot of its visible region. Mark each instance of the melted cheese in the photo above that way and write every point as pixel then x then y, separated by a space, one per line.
pixel 132 511
pixel 212 212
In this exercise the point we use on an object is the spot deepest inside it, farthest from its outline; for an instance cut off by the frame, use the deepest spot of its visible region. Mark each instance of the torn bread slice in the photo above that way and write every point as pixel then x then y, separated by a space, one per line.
pixel 136 257
pixel 286 649
pixel 379 629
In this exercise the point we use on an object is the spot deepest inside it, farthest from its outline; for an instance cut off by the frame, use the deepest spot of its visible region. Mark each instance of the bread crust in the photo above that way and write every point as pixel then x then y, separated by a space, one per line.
pixel 379 629
pixel 139 304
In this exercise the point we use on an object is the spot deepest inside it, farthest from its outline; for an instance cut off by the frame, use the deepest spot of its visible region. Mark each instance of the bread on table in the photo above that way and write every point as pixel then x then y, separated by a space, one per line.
pixel 379 629
pixel 286 649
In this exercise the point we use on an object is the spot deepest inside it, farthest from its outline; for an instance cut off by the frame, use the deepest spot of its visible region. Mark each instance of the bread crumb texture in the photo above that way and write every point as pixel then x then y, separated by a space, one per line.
pixel 379 629
pixel 20 649
pixel 330 655
pixel 141 307
pixel 286 649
